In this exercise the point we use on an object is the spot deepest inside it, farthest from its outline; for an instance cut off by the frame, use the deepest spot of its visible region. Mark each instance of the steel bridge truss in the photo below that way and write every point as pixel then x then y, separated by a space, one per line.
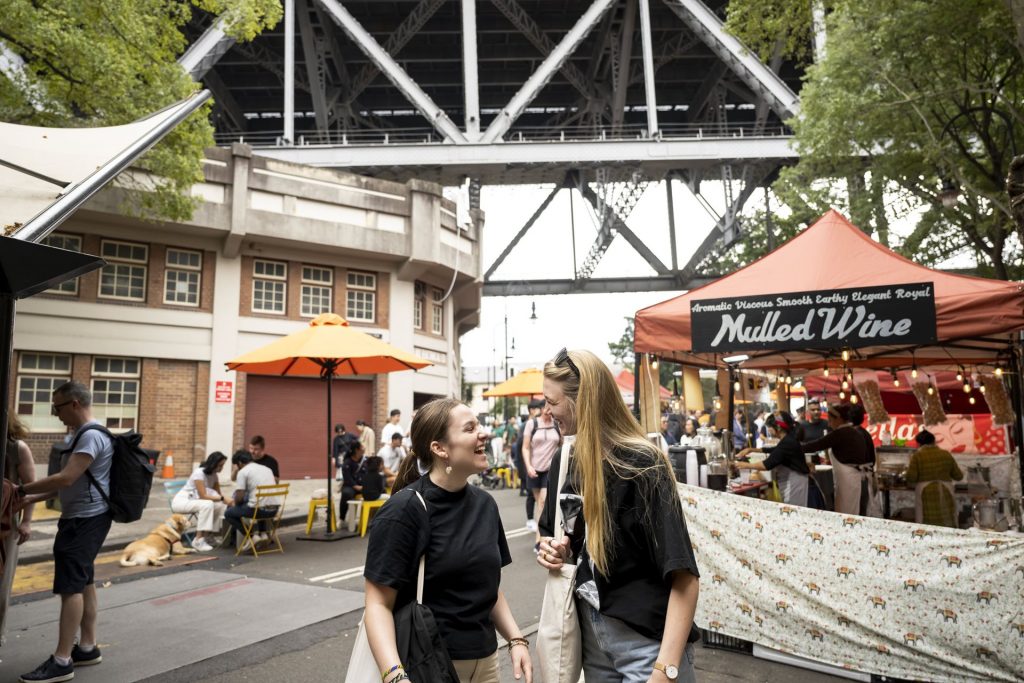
pixel 599 134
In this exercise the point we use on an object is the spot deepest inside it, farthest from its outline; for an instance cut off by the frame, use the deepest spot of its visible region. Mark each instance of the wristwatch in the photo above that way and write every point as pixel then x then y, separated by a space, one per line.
pixel 671 671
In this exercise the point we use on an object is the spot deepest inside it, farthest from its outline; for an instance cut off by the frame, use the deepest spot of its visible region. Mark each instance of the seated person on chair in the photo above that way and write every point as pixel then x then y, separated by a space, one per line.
pixel 392 454
pixel 248 476
pixel 201 495
pixel 931 472
pixel 373 478
pixel 352 472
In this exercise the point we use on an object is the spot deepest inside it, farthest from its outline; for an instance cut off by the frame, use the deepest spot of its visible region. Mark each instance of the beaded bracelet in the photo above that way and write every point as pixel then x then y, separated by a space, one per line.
pixel 512 642
pixel 396 667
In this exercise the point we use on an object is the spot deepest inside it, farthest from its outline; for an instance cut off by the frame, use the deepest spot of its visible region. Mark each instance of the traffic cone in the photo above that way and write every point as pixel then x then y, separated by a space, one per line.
pixel 168 472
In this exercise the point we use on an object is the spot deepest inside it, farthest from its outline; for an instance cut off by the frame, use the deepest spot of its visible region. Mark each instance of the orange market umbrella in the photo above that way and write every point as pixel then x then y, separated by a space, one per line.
pixel 529 382
pixel 328 347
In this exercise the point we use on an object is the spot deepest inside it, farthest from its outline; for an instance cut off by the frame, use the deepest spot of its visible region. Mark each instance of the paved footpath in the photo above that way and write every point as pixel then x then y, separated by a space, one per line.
pixel 218 618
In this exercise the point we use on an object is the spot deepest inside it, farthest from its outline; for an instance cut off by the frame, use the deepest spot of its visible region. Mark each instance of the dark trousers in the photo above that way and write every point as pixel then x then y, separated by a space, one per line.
pixel 235 513
pixel 347 493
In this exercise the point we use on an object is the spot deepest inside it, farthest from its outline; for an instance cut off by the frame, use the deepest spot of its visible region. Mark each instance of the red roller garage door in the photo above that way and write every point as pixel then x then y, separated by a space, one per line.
pixel 290 413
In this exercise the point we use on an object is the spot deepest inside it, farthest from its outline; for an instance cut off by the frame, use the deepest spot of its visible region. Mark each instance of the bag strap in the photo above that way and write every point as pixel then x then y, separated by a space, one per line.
pixel 88 471
pixel 423 561
pixel 563 469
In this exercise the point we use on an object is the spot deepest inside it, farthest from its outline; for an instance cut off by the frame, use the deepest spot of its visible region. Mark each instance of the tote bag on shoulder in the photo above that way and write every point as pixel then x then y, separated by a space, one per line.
pixel 559 641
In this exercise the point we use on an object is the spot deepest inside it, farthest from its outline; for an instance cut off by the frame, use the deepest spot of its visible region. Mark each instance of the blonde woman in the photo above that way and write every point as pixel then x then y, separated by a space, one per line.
pixel 637 582
pixel 19 469
pixel 465 547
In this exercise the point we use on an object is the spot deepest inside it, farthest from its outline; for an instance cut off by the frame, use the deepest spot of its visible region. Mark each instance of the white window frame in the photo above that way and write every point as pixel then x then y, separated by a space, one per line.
pixel 418 305
pixel 60 240
pixel 127 262
pixel 309 283
pixel 39 419
pixel 187 269
pixel 124 377
pixel 436 311
pixel 365 290
pixel 282 279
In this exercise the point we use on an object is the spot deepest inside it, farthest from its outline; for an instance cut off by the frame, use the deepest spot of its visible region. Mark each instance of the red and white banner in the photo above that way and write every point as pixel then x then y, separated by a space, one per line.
pixel 958 434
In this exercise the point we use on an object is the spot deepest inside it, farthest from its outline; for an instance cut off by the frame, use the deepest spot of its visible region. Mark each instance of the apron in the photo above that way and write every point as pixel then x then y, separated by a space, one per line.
pixel 792 485
pixel 949 510
pixel 853 485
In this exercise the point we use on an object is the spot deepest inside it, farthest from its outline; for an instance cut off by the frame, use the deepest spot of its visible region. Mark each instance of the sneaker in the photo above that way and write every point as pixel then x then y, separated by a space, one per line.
pixel 247 545
pixel 201 545
pixel 531 524
pixel 49 672
pixel 262 539
pixel 80 657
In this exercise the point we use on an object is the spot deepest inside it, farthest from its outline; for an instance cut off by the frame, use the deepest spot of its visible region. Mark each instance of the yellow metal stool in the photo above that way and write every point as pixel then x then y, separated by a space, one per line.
pixel 502 472
pixel 314 505
pixel 366 508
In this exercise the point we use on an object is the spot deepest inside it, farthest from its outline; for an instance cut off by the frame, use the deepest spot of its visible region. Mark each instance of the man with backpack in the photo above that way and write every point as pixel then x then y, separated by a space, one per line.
pixel 83 486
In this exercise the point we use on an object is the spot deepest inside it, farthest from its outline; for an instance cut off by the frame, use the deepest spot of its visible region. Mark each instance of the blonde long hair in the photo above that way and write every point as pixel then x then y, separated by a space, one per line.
pixel 603 424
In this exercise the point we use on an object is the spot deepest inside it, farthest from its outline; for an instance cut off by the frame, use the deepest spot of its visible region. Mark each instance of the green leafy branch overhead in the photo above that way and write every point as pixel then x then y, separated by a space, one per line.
pixel 108 62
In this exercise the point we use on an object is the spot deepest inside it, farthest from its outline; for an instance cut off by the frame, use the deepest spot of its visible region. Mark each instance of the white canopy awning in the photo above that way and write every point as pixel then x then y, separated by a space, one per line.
pixel 57 169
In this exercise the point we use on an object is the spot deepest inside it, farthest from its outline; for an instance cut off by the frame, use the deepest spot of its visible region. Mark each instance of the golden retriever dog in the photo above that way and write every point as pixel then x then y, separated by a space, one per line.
pixel 162 542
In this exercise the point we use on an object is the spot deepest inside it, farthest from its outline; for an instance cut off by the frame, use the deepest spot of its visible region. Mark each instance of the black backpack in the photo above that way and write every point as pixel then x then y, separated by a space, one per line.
pixel 131 475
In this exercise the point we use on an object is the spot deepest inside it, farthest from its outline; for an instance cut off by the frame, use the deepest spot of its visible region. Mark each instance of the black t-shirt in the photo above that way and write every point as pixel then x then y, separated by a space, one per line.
pixel 814 429
pixel 269 461
pixel 650 542
pixel 787 453
pixel 465 546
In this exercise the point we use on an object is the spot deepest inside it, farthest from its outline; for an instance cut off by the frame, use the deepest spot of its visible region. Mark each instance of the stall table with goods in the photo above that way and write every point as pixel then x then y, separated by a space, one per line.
pixel 868 595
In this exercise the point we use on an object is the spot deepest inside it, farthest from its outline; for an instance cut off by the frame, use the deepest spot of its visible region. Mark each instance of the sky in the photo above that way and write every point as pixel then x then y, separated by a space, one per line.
pixel 576 321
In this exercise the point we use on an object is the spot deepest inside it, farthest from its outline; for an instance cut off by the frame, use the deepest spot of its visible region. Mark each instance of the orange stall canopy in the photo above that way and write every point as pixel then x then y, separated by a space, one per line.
pixel 976 318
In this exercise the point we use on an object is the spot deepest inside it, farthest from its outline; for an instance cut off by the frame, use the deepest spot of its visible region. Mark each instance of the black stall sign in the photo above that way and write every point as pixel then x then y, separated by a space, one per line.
pixel 856 317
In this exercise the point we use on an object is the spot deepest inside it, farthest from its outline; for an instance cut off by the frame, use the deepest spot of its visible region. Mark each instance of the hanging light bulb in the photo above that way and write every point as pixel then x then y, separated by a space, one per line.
pixel 846 385
pixel 982 388
pixel 960 374
pixel 853 398
pixel 967 388
pixel 999 372
pixel 654 364
pixel 736 385
pixel 842 395
pixel 789 379
pixel 895 379
pixel 913 372
pixel 846 355
pixel 825 371
pixel 931 390
pixel 971 400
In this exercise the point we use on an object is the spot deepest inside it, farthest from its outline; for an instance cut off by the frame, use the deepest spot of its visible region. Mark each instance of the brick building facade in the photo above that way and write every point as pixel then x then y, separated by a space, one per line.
pixel 270 246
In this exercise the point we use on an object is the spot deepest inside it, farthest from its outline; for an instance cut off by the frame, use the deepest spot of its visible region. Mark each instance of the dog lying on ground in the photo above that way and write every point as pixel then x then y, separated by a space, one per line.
pixel 162 542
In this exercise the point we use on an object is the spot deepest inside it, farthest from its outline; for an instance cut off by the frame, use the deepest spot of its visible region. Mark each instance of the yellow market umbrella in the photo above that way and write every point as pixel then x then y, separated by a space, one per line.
pixel 529 382
pixel 328 347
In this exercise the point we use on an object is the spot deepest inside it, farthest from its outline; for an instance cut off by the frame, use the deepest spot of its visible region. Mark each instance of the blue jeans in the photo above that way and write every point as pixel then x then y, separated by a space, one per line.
pixel 615 653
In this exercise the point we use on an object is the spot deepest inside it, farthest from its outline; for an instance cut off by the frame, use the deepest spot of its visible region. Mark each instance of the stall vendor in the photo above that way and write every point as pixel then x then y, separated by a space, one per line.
pixel 785 460
pixel 852 464
pixel 931 472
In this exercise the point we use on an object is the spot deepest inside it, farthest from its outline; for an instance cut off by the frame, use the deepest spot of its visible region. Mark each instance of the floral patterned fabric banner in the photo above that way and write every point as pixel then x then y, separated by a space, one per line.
pixel 869 595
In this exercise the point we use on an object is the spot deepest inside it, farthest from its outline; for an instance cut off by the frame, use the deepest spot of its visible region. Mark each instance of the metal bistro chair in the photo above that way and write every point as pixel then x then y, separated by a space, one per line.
pixel 171 488
pixel 266 497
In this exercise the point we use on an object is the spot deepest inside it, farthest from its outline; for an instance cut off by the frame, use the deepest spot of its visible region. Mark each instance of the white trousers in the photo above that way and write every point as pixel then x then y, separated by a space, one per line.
pixel 211 513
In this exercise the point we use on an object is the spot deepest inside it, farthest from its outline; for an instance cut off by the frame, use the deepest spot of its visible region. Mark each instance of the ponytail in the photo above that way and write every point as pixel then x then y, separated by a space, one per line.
pixel 408 472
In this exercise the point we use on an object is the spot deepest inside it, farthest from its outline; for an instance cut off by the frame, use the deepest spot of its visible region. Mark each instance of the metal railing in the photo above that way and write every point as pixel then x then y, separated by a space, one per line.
pixel 427 136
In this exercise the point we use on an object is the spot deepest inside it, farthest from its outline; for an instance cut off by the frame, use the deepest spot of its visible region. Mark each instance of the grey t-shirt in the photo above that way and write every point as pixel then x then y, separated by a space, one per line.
pixel 81 499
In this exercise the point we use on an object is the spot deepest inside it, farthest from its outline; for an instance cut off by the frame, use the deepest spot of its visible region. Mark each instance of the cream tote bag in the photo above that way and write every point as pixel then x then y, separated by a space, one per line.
pixel 362 668
pixel 559 641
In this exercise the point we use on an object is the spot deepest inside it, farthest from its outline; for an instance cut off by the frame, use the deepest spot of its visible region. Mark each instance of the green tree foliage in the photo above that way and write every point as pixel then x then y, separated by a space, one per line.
pixel 909 96
pixel 108 62
pixel 623 354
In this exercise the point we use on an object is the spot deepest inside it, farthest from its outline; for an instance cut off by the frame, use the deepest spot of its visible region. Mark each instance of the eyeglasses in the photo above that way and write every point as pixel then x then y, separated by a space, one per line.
pixel 57 406
pixel 563 357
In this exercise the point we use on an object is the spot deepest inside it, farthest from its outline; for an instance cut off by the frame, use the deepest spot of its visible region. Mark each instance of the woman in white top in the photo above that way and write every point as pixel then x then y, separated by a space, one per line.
pixel 201 495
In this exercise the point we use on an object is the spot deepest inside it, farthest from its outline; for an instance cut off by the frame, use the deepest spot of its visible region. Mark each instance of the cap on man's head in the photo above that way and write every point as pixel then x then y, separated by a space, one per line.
pixel 535 403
